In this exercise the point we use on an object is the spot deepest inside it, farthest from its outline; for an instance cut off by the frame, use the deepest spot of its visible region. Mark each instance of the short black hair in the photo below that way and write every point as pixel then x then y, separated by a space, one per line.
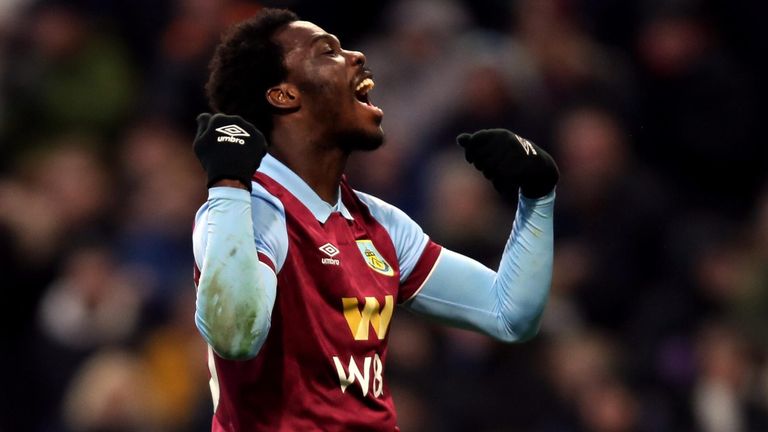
pixel 245 65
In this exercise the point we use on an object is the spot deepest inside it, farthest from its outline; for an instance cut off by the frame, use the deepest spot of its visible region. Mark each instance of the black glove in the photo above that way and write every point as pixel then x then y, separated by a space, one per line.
pixel 228 148
pixel 510 162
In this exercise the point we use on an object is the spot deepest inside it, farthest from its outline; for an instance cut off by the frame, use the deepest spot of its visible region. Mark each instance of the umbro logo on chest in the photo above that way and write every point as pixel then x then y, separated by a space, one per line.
pixel 372 257
pixel 330 250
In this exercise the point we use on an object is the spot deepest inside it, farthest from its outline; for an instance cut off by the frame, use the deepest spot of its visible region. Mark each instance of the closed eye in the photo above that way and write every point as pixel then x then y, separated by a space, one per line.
pixel 330 50
pixel 329 44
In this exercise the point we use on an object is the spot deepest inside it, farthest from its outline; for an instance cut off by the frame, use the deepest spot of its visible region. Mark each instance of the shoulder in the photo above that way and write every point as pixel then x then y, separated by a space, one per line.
pixel 261 202
pixel 383 211
pixel 267 220
pixel 261 197
pixel 269 225
pixel 407 236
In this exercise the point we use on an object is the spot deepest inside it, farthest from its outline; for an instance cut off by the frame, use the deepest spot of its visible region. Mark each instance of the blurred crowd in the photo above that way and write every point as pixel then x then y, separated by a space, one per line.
pixel 658 318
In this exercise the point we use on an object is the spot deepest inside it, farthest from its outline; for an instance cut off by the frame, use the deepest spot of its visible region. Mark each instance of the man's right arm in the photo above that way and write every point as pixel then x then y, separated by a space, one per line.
pixel 235 291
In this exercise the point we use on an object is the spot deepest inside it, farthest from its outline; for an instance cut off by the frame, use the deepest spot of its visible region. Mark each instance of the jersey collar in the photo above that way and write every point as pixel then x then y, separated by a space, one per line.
pixel 301 190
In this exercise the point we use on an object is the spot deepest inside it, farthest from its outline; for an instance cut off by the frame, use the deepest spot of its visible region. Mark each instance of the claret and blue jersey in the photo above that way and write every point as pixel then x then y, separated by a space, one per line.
pixel 296 296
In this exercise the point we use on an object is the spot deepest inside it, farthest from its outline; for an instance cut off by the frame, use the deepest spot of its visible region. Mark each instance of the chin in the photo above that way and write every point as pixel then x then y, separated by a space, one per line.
pixel 361 140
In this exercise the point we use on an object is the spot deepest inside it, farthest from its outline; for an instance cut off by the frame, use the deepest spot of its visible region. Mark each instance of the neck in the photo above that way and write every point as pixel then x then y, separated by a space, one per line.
pixel 318 164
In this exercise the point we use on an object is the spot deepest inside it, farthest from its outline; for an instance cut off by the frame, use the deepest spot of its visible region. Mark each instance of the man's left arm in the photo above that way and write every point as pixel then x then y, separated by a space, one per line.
pixel 507 304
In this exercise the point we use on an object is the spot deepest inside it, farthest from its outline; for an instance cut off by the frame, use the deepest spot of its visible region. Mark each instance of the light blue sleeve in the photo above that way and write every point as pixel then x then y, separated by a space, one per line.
pixel 407 236
pixel 236 292
pixel 269 230
pixel 506 305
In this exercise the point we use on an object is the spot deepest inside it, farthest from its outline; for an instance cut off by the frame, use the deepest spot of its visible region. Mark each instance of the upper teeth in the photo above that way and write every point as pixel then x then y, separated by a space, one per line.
pixel 365 86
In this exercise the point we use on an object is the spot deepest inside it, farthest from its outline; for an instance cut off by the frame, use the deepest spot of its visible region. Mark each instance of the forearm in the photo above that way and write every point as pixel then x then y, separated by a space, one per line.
pixel 507 304
pixel 236 292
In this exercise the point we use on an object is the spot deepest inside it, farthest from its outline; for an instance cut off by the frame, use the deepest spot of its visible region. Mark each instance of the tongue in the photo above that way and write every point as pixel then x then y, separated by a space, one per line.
pixel 362 98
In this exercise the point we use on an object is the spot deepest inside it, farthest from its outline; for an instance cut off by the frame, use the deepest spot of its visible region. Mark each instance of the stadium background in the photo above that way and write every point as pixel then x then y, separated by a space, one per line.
pixel 657 320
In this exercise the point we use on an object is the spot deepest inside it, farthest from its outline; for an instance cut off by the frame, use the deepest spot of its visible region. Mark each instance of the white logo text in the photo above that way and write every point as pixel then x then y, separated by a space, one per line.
pixel 363 377
pixel 232 131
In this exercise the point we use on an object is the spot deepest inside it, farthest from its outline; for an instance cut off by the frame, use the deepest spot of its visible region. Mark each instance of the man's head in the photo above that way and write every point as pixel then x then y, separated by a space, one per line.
pixel 276 71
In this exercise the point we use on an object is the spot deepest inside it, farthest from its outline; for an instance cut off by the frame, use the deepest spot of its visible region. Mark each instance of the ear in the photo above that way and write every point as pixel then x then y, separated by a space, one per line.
pixel 284 96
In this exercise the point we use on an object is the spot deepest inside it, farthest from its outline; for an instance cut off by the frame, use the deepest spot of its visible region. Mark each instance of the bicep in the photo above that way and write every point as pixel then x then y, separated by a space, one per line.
pixel 269 229
pixel 460 292
pixel 270 233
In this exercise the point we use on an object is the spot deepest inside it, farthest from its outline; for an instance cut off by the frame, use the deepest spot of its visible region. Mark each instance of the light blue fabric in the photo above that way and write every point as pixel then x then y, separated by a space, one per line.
pixel 407 235
pixel 506 305
pixel 270 232
pixel 235 293
pixel 268 219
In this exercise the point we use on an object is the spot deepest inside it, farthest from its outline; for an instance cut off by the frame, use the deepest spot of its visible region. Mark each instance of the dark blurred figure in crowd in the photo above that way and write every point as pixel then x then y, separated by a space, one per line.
pixel 153 239
pixel 611 218
pixel 725 396
pixel 42 216
pixel 553 62
pixel 68 76
pixel 175 88
pixel 699 120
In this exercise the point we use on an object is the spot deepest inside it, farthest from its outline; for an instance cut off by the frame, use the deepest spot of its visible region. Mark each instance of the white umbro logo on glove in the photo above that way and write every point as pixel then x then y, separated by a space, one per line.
pixel 527 146
pixel 232 131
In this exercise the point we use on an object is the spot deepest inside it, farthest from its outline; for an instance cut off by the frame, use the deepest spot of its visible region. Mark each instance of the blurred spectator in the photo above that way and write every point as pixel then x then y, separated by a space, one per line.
pixel 44 207
pixel 108 394
pixel 9 9
pixel 723 397
pixel 92 304
pixel 55 199
pixel 176 372
pixel 751 307
pixel 699 113
pixel 551 61
pixel 67 77
pixel 610 407
pixel 160 386
pixel 463 211
pixel 420 86
pixel 570 269
pixel 154 239
pixel 610 215
pixel 412 352
pixel 384 174
pixel 176 84
pixel 487 101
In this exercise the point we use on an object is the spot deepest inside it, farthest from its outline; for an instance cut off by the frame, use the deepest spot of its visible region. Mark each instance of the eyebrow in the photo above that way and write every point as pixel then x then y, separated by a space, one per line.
pixel 326 37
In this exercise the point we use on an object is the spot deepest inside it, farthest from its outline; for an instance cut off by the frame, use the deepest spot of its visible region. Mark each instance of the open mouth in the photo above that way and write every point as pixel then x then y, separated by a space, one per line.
pixel 362 89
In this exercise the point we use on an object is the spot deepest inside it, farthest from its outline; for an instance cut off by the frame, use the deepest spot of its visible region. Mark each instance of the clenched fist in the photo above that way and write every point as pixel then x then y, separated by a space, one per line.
pixel 228 148
pixel 510 162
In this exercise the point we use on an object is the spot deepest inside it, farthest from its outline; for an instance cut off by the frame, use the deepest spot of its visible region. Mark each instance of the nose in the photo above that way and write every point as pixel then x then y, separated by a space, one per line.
pixel 357 58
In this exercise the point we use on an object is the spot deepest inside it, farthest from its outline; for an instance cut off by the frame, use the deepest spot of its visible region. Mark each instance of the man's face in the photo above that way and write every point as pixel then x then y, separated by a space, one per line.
pixel 333 85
